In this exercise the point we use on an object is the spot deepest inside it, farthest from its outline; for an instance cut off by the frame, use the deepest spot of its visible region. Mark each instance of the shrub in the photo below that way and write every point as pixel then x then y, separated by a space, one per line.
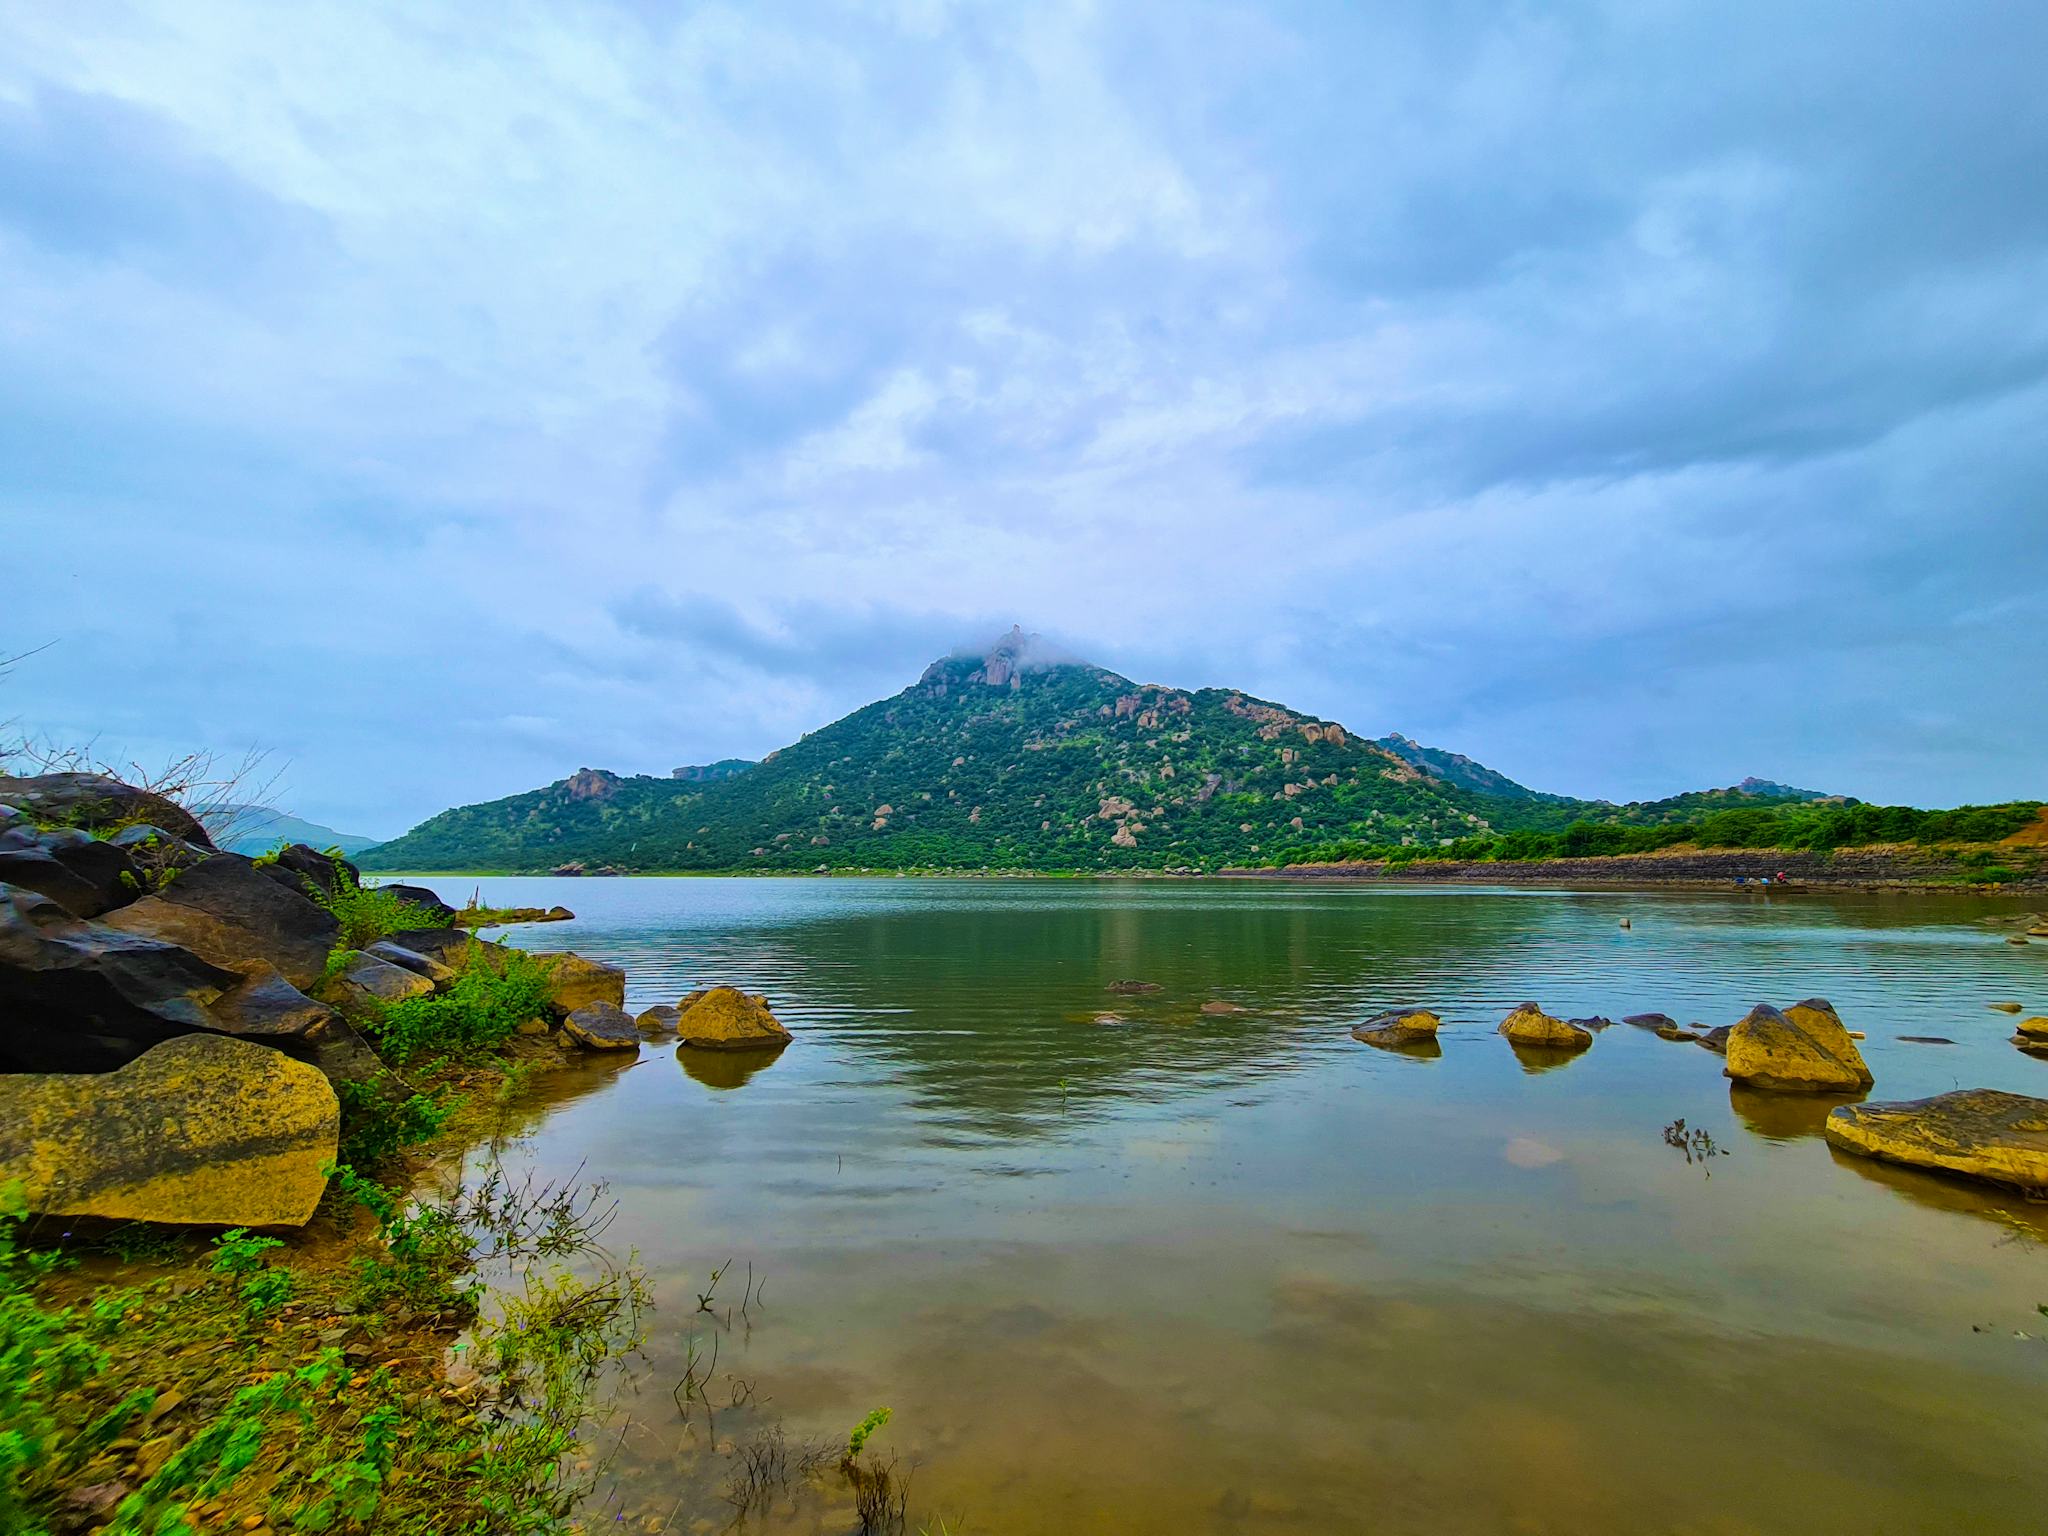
pixel 367 913
pixel 497 991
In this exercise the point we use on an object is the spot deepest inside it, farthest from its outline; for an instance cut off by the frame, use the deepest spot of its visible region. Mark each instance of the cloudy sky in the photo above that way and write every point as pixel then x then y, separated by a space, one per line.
pixel 1632 396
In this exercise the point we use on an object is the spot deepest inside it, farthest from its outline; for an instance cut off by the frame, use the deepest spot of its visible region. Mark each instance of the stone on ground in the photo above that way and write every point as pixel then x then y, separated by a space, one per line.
pixel 602 1027
pixel 365 980
pixel 1398 1026
pixel 1980 1133
pixel 1804 1049
pixel 1530 1025
pixel 200 1130
pixel 725 1018
pixel 266 1006
pixel 412 960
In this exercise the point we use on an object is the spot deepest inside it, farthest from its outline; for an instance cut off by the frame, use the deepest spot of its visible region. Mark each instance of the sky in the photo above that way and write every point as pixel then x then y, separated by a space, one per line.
pixel 1632 396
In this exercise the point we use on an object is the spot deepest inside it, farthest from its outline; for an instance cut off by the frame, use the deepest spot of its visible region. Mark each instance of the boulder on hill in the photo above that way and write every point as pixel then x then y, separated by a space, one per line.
pixel 201 1130
pixel 1529 1025
pixel 1398 1026
pixel 1979 1133
pixel 78 996
pixel 602 1027
pixel 92 800
pixel 1804 1049
pixel 228 912
pixel 725 1018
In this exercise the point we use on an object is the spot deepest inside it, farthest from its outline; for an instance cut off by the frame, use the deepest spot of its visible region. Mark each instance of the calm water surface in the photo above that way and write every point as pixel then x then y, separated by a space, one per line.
pixel 1175 1272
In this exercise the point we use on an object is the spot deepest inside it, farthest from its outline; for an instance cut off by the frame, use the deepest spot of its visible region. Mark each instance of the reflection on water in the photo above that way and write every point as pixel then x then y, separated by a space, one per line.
pixel 1206 1271
pixel 726 1069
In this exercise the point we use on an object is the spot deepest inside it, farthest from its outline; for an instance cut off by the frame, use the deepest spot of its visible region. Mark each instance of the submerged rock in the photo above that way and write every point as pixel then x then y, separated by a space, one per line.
pixel 602 1027
pixel 1804 1049
pixel 2006 1007
pixel 1529 1025
pixel 725 1018
pixel 1716 1039
pixel 1217 1007
pixel 1980 1133
pixel 574 982
pixel 1651 1021
pixel 1595 1023
pixel 200 1130
pixel 1132 988
pixel 1676 1032
pixel 1927 1039
pixel 1398 1026
pixel 228 912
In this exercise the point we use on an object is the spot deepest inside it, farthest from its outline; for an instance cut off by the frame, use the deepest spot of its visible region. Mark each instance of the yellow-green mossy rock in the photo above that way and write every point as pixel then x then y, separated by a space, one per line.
pixel 659 1021
pixel 1530 1025
pixel 2034 1029
pixel 725 1018
pixel 574 982
pixel 1804 1049
pixel 1398 1026
pixel 202 1130
pixel 1980 1133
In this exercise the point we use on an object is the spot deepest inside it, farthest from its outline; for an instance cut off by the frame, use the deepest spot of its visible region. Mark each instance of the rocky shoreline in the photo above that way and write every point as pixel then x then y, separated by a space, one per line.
pixel 1844 869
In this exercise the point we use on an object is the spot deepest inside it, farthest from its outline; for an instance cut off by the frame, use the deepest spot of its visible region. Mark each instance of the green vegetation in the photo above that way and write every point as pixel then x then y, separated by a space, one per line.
pixel 496 992
pixel 368 913
pixel 1812 825
pixel 1074 769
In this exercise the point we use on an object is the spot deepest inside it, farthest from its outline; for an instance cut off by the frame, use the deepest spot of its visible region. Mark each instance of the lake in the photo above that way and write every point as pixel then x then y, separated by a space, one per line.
pixel 1119 1265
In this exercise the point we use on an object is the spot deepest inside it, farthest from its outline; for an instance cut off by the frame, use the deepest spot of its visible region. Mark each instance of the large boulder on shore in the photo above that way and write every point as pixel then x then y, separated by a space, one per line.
pixel 77 996
pixel 397 954
pixel 1980 1133
pixel 602 1027
pixel 727 1019
pixel 1803 1049
pixel 201 1130
pixel 79 872
pixel 303 869
pixel 92 800
pixel 365 982
pixel 267 1007
pixel 451 946
pixel 430 905
pixel 1398 1026
pixel 229 913
pixel 574 982
pixel 1530 1025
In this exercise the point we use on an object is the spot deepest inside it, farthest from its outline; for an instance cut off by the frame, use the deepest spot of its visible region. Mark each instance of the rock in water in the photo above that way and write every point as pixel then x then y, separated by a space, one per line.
pixel 1716 1039
pixel 659 1021
pixel 1132 988
pixel 2007 1007
pixel 1980 1133
pixel 1530 1025
pixel 1398 1026
pixel 602 1027
pixel 1651 1021
pixel 1804 1049
pixel 200 1130
pixel 574 982
pixel 229 912
pixel 725 1018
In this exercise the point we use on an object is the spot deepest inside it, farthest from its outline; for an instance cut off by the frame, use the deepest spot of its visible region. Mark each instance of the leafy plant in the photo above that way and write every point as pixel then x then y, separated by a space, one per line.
pixel 367 913
pixel 858 1439
pixel 496 991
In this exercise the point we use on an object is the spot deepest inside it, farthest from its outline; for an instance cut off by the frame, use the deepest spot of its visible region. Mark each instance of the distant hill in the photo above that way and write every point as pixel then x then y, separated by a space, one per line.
pixel 254 829
pixel 1013 759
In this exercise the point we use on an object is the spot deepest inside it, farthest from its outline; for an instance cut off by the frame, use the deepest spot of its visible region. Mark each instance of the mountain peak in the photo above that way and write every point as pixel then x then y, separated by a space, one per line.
pixel 1004 663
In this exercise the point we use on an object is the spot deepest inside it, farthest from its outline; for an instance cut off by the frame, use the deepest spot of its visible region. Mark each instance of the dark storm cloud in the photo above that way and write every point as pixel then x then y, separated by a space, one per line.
pixel 1628 395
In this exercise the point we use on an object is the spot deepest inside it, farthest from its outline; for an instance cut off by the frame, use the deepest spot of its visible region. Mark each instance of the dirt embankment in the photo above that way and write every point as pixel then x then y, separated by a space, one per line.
pixel 1874 868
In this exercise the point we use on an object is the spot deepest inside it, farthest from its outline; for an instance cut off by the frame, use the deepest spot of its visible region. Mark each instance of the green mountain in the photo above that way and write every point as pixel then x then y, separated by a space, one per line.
pixel 1015 760
pixel 999 760
pixel 254 829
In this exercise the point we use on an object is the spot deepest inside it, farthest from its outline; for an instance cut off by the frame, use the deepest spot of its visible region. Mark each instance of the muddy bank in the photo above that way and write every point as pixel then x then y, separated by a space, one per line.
pixel 1864 869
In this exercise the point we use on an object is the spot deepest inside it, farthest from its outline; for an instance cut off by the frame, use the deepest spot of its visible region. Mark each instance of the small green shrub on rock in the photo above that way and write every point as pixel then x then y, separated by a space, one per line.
pixel 497 991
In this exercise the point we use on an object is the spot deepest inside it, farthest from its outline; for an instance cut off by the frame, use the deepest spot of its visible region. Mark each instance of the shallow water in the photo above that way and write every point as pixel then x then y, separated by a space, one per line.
pixel 1190 1273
